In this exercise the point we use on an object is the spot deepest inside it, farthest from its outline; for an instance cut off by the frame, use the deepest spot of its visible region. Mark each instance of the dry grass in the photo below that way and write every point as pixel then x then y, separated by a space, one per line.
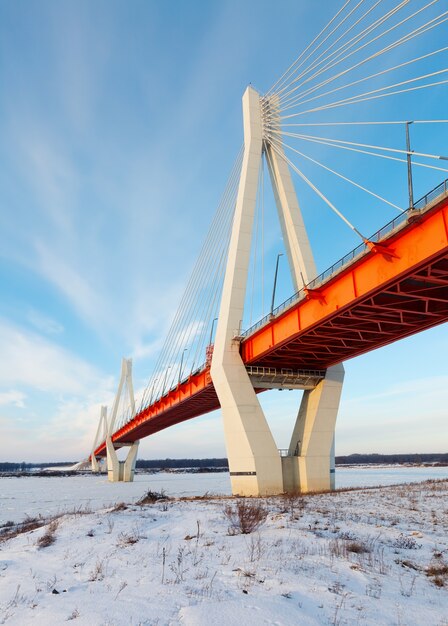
pixel 152 497
pixel 438 572
pixel 49 536
pixel 11 530
pixel 127 539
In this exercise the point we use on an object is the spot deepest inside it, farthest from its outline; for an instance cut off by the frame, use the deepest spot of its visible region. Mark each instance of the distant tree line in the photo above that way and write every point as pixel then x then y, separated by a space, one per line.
pixel 26 467
pixel 180 463
pixel 358 459
pixel 351 459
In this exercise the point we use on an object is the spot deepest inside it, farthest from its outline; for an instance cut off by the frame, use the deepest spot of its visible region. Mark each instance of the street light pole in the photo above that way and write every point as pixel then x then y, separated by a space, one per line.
pixel 275 282
pixel 152 391
pixel 408 151
pixel 164 380
pixel 211 331
pixel 181 364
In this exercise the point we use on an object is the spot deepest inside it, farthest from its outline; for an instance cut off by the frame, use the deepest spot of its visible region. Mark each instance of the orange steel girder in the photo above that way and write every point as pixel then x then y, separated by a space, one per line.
pixel 396 289
pixel 376 300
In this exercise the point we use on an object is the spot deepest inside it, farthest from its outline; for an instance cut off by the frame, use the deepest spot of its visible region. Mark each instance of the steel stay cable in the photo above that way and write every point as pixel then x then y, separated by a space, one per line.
pixel 383 156
pixel 178 339
pixel 361 80
pixel 374 91
pixel 362 145
pixel 318 192
pixel 312 63
pixel 400 41
pixel 182 327
pixel 379 53
pixel 195 346
pixel 191 320
pixel 284 95
pixel 282 77
pixel 368 123
pixel 198 315
pixel 213 305
pixel 359 99
pixel 334 58
pixel 338 60
pixel 284 145
pixel 293 251
pixel 190 290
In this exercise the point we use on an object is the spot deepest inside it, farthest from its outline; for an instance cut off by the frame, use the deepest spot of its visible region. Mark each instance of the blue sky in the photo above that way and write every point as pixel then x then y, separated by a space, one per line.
pixel 119 124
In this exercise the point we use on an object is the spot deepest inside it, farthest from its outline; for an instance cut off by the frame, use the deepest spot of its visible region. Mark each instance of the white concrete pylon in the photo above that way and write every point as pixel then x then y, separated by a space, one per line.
pixel 117 470
pixel 125 378
pixel 255 465
pixel 101 433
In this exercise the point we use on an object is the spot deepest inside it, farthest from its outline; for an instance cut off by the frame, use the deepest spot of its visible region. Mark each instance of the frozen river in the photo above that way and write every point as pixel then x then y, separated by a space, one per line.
pixel 44 496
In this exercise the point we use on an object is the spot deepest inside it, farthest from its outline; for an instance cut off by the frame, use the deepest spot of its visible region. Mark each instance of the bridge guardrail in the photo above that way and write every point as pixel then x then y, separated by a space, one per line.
pixel 350 256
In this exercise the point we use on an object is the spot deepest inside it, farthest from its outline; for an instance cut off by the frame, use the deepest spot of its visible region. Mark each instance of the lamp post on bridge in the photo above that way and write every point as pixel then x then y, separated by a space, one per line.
pixel 164 380
pixel 275 282
pixel 152 391
pixel 211 331
pixel 408 156
pixel 181 364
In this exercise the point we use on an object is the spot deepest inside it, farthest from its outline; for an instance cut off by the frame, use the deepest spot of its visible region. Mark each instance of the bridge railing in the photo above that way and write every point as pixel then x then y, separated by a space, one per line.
pixel 351 256
pixel 432 195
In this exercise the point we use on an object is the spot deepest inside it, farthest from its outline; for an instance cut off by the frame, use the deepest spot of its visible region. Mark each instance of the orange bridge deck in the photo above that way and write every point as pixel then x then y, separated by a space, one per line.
pixel 393 286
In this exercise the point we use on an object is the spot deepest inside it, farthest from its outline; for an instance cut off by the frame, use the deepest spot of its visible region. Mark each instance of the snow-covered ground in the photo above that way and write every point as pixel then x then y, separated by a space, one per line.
pixel 367 557
pixel 45 496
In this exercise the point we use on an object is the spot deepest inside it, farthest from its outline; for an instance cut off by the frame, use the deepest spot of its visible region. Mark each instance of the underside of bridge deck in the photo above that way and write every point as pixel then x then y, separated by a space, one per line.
pixel 399 309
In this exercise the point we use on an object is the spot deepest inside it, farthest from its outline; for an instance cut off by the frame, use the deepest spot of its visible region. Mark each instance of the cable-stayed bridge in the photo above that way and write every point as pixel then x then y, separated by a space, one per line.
pixel 392 285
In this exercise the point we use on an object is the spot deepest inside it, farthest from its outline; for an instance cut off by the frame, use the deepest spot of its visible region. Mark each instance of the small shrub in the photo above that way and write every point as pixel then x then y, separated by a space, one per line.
pixel 152 497
pixel 294 504
pixel 358 547
pixel 245 517
pixel 178 567
pixel 98 572
pixel 49 537
pixel 406 543
pixel 127 540
pixel 120 506
pixel 7 524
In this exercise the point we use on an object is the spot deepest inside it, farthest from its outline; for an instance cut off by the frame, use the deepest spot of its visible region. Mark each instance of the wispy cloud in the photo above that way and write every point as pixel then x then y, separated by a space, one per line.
pixel 15 398
pixel 32 361
pixel 44 324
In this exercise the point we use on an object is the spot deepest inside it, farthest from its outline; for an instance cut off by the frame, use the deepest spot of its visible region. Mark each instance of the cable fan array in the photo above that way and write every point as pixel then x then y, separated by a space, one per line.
pixel 365 54
pixel 191 332
pixel 314 89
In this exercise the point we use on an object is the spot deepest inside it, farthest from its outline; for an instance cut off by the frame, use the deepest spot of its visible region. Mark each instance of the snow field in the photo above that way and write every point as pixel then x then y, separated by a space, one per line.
pixel 370 556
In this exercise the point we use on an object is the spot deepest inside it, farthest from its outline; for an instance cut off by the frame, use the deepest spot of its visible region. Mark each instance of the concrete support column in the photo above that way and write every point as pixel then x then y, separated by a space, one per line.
pixel 311 452
pixel 121 471
pixel 95 467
